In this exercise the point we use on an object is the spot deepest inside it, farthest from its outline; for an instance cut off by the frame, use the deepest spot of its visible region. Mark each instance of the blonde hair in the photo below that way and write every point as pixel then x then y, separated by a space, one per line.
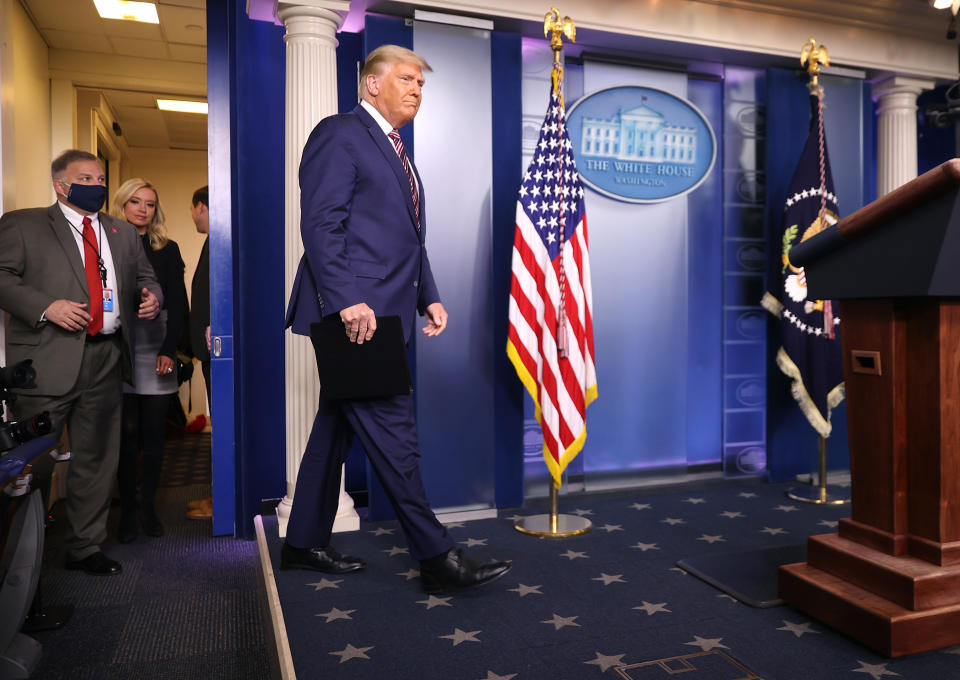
pixel 156 230
pixel 388 55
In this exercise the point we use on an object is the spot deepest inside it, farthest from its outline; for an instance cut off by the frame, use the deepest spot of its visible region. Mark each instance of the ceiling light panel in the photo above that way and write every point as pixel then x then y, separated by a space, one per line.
pixel 128 10
pixel 181 106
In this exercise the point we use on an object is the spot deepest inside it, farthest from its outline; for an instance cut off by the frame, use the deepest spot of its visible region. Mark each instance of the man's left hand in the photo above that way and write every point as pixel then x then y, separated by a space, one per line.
pixel 436 320
pixel 149 305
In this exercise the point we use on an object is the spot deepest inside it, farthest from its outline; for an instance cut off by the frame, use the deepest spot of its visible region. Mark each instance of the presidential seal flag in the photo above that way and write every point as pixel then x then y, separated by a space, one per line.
pixel 550 339
pixel 811 352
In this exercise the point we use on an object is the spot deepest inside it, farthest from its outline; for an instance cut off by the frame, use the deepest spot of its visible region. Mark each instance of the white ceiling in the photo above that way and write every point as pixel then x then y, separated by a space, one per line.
pixel 133 63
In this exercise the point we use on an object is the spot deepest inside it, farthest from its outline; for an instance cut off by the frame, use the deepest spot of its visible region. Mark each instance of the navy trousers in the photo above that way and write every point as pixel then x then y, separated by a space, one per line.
pixel 388 433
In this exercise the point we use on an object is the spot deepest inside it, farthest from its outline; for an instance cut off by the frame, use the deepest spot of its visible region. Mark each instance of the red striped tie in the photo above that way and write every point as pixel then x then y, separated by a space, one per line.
pixel 91 266
pixel 395 138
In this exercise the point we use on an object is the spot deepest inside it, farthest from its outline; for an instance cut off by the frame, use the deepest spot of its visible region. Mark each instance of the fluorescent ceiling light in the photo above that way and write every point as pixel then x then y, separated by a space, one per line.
pixel 181 106
pixel 128 10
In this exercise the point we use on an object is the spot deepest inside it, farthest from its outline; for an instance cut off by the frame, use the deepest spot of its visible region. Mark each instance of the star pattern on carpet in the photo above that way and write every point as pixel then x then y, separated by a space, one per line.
pixel 874 670
pixel 694 501
pixel 396 550
pixel 773 531
pixel 459 636
pixel 798 629
pixel 787 508
pixel 829 523
pixel 434 601
pixel 380 531
pixel 573 554
pixel 608 578
pixel 640 506
pixel 605 661
pixel 351 652
pixel 472 542
pixel 526 590
pixel 645 546
pixel 673 521
pixel 325 583
pixel 730 514
pixel 515 518
pixel 611 527
pixel 559 622
pixel 747 494
pixel 582 512
pixel 337 614
pixel 711 538
pixel 706 644
pixel 493 676
pixel 652 608
pixel 409 573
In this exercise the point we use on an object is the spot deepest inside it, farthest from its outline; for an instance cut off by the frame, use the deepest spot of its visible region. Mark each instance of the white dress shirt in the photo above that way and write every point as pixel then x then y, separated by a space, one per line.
pixel 387 129
pixel 111 320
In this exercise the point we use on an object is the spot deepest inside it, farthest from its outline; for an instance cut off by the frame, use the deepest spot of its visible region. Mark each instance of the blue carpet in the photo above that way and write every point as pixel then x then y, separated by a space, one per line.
pixel 610 604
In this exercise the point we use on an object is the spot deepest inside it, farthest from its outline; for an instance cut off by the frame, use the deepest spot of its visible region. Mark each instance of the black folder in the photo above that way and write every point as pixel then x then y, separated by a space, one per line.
pixel 377 368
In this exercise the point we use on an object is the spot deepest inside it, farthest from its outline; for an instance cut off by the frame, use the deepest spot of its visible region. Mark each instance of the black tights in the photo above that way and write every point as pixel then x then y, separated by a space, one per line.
pixel 144 422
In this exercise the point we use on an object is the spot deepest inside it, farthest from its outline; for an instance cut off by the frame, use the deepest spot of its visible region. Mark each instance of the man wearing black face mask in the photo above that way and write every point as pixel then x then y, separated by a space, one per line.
pixel 73 279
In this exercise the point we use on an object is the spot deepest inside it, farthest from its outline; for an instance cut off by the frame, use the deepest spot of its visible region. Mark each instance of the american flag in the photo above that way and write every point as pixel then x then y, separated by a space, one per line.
pixel 551 306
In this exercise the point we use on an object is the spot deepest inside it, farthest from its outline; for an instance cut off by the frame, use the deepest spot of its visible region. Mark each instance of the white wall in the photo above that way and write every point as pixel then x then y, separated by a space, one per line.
pixel 176 174
pixel 25 111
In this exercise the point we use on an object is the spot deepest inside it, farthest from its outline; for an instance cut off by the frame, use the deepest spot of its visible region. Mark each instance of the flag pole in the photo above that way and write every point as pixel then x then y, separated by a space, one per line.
pixel 814 57
pixel 555 525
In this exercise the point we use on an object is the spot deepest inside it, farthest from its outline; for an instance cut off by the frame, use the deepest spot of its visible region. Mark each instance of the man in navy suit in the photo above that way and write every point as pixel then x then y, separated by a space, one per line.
pixel 363 224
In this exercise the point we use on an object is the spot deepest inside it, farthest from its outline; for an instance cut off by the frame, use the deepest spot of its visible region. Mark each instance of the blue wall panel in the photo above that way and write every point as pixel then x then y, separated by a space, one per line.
pixel 506 67
pixel 705 299
pixel 455 371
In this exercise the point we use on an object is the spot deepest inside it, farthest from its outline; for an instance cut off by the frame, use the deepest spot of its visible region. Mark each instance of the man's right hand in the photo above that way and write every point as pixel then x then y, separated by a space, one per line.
pixel 360 322
pixel 68 314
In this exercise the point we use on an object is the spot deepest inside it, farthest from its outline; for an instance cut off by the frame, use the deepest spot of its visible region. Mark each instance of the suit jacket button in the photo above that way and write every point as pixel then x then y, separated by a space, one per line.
pixel 416 283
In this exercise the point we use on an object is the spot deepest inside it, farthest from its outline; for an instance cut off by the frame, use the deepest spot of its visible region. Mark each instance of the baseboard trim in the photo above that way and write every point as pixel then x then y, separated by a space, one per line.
pixel 284 657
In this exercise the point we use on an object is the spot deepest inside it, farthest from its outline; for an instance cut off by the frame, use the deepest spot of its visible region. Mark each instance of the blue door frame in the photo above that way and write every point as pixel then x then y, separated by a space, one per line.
pixel 246 65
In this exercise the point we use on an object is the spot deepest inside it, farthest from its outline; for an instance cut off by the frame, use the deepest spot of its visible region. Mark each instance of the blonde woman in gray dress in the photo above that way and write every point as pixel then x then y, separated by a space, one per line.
pixel 146 402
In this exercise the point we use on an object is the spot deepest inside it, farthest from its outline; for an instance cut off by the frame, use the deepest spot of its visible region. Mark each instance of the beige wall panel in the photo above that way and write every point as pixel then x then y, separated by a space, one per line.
pixel 31 113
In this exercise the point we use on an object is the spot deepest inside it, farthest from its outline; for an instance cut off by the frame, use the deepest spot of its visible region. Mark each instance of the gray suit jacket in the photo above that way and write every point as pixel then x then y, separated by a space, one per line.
pixel 40 263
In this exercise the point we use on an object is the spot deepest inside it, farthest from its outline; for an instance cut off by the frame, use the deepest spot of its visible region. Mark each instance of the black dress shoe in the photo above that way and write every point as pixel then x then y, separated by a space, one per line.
pixel 456 571
pixel 324 559
pixel 97 563
pixel 127 531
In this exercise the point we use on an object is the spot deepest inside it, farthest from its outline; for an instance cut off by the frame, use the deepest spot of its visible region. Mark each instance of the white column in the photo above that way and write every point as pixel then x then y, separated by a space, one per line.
pixel 311 96
pixel 896 98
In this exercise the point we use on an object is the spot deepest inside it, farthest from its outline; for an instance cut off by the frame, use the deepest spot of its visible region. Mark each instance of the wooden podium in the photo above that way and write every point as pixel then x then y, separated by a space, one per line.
pixel 890 577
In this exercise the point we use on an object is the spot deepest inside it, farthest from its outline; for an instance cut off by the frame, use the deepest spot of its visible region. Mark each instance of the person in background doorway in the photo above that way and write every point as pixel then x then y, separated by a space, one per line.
pixel 146 402
pixel 200 317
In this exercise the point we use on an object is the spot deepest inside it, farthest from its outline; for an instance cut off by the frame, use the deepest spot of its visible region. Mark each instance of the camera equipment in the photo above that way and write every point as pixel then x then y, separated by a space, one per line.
pixel 12 434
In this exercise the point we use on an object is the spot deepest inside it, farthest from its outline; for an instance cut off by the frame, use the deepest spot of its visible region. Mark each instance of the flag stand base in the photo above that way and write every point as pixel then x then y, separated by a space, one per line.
pixel 819 494
pixel 553 525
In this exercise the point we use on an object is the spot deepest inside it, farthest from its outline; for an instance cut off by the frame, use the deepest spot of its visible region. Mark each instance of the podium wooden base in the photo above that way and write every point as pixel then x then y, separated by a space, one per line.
pixel 895 605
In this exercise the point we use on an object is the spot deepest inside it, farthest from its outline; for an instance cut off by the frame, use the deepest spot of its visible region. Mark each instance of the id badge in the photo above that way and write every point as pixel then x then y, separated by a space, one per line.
pixel 107 300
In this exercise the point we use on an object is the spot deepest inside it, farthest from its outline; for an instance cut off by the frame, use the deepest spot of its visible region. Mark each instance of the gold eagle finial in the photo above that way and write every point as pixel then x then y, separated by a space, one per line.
pixel 555 28
pixel 813 57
